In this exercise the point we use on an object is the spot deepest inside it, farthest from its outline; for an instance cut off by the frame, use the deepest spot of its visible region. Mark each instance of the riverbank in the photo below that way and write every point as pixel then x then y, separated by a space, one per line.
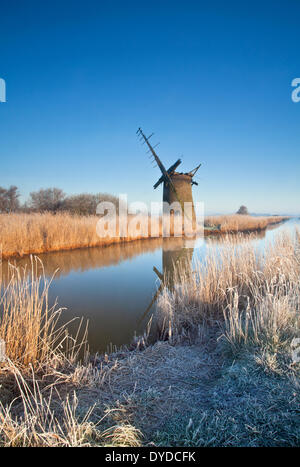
pixel 223 372
pixel 23 234
pixel 234 223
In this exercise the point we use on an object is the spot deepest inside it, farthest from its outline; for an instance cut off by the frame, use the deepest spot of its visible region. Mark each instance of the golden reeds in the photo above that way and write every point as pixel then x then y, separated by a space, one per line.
pixel 28 324
pixel 242 223
pixel 40 359
pixel 253 288
pixel 22 234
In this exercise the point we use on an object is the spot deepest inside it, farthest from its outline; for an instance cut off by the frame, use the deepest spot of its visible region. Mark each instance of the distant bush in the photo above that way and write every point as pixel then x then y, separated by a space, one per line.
pixel 55 200
pixel 9 199
pixel 243 210
pixel 85 204
pixel 49 199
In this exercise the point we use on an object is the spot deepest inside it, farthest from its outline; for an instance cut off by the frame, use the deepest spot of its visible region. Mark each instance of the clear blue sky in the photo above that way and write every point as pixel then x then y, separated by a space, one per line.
pixel 213 81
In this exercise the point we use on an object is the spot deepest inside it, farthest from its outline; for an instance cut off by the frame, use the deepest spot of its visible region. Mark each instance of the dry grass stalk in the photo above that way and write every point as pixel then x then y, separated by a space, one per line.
pixel 29 325
pixel 41 425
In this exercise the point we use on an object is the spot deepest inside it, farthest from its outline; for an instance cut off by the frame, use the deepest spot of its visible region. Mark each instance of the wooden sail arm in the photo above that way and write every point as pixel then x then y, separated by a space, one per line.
pixel 159 274
pixel 193 172
pixel 158 292
pixel 157 159
pixel 170 171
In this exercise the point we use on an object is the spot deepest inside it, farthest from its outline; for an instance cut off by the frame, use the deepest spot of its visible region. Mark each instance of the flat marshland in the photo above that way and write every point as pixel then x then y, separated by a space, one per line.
pixel 223 372
pixel 22 234
pixel 242 223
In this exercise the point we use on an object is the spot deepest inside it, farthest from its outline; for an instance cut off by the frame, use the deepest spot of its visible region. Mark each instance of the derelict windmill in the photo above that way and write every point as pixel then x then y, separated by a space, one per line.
pixel 177 185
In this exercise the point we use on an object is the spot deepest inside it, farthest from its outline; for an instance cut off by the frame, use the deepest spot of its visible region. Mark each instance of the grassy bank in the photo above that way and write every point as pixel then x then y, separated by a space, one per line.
pixel 234 223
pixel 22 234
pixel 222 373
pixel 41 374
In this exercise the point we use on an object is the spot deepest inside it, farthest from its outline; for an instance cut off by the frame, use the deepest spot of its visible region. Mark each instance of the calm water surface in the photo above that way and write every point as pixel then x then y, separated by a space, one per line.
pixel 113 287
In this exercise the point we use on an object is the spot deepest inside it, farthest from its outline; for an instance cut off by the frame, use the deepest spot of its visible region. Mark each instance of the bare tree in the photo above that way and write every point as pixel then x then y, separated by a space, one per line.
pixel 50 199
pixel 3 200
pixel 9 199
pixel 243 211
pixel 85 203
pixel 13 198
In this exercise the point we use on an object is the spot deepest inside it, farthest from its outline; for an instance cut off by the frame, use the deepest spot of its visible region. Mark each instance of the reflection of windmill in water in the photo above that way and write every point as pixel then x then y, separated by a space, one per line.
pixel 177 255
pixel 177 185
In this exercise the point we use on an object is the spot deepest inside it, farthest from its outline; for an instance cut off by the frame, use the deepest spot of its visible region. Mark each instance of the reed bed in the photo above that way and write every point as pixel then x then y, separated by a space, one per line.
pixel 28 324
pixel 242 223
pixel 22 234
pixel 244 304
pixel 249 286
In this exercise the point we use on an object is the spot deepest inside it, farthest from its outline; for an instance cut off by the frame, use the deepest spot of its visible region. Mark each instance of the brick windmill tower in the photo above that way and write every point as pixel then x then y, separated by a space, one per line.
pixel 177 185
